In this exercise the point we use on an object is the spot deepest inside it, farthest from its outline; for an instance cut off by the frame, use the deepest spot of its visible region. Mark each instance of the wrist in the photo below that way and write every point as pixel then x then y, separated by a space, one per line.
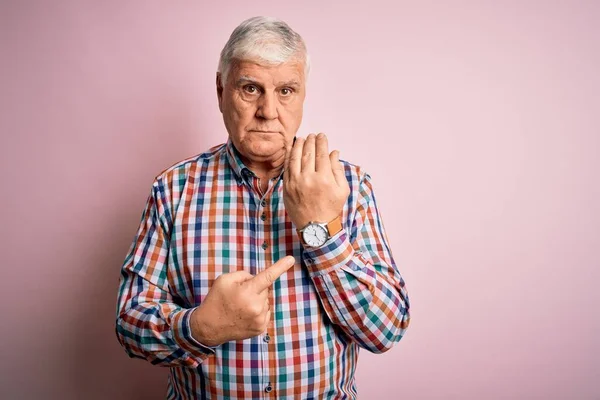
pixel 202 331
pixel 316 234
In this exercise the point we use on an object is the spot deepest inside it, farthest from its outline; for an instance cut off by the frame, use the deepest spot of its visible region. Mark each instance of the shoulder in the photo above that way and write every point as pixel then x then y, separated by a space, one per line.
pixel 360 183
pixel 188 167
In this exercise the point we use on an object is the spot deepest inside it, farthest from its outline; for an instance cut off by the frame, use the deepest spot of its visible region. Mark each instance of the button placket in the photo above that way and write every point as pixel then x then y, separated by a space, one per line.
pixel 262 234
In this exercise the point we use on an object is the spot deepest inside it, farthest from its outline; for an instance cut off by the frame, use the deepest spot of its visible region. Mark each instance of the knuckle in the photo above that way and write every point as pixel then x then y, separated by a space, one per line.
pixel 257 324
pixel 257 329
pixel 221 281
pixel 255 309
pixel 322 180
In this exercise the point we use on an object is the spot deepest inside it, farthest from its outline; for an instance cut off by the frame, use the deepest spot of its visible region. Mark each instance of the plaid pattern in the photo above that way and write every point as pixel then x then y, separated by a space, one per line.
pixel 206 216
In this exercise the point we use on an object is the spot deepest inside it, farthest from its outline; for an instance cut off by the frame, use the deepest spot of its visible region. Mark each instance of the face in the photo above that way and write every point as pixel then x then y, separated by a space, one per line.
pixel 262 108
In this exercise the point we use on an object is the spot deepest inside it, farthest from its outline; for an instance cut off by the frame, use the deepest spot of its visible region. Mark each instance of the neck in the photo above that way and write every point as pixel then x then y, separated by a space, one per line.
pixel 267 169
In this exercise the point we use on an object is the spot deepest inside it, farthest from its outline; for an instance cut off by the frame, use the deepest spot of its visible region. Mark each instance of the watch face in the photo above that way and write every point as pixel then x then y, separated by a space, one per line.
pixel 314 235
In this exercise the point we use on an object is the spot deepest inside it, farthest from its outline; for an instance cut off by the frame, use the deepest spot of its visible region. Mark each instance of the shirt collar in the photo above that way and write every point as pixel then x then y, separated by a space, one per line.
pixel 236 163
pixel 241 171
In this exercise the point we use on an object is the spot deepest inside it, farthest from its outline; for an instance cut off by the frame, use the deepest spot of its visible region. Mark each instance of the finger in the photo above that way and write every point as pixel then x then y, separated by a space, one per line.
pixel 322 162
pixel 235 276
pixel 286 162
pixel 266 306
pixel 263 296
pixel 267 318
pixel 295 160
pixel 337 168
pixel 263 280
pixel 308 154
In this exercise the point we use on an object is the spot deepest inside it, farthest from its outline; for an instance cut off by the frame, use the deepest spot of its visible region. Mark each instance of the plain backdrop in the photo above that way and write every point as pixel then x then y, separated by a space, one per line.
pixel 478 121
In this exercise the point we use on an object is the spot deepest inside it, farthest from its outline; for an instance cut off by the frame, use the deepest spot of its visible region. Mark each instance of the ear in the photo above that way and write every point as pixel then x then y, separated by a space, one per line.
pixel 220 92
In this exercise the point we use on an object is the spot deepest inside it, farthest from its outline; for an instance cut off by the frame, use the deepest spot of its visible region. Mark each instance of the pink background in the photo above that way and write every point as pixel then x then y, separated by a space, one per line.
pixel 477 120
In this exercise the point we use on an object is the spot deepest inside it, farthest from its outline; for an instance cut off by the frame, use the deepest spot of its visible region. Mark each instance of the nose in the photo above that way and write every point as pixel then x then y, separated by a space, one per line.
pixel 267 107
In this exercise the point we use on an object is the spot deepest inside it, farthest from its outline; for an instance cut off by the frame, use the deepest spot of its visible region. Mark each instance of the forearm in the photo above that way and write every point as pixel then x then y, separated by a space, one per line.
pixel 152 327
pixel 362 294
pixel 163 340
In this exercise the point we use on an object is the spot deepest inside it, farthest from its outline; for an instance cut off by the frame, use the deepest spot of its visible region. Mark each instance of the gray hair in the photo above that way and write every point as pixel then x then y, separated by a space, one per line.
pixel 266 40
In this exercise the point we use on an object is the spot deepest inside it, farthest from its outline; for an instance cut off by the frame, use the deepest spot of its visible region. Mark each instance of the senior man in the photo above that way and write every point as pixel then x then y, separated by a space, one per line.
pixel 261 266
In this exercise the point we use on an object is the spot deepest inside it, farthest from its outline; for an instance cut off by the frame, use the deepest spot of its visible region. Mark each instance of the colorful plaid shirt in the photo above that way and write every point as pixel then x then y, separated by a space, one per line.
pixel 207 216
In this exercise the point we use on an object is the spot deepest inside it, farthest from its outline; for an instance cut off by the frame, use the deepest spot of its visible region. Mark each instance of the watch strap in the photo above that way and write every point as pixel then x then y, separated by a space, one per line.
pixel 334 226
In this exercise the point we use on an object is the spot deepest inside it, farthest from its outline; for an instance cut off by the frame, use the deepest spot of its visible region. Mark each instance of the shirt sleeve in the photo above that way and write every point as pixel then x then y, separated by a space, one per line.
pixel 357 280
pixel 150 322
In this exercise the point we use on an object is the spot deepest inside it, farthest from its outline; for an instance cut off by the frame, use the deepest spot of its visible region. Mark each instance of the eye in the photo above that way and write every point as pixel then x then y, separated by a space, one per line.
pixel 251 89
pixel 286 91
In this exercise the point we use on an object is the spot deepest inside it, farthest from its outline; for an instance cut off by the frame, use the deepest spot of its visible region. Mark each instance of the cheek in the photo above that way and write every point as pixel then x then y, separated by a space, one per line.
pixel 294 116
pixel 239 111
pixel 244 112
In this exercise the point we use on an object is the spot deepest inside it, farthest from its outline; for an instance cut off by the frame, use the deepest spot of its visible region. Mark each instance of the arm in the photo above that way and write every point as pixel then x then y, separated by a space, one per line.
pixel 150 324
pixel 355 277
pixel 357 280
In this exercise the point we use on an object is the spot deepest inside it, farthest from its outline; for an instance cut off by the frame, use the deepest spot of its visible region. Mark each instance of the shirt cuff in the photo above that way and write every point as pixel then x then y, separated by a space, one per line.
pixel 182 334
pixel 335 253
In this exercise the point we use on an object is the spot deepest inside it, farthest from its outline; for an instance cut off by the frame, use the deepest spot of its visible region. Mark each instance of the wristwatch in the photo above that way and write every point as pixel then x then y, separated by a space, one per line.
pixel 315 234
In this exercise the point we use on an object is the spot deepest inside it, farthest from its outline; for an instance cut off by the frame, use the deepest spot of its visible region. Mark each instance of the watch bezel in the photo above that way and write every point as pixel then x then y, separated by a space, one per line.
pixel 321 226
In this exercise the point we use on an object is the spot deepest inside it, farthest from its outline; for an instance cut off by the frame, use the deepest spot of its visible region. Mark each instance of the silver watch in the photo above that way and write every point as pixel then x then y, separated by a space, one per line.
pixel 315 234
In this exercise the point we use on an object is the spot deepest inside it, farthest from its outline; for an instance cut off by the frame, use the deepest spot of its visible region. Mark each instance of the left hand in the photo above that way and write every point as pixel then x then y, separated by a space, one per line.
pixel 314 182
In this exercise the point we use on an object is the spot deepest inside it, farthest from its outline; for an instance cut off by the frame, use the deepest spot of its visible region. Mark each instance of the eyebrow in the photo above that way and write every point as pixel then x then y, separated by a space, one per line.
pixel 248 79
pixel 291 83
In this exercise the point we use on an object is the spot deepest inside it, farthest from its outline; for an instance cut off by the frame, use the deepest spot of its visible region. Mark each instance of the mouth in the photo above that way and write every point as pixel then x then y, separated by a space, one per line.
pixel 262 131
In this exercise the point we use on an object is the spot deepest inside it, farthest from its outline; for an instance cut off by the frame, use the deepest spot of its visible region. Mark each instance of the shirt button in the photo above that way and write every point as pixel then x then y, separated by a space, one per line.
pixel 268 388
pixel 263 203
pixel 267 338
pixel 264 245
pixel 263 216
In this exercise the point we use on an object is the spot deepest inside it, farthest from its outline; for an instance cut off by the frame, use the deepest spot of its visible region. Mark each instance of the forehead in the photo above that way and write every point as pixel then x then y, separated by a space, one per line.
pixel 291 71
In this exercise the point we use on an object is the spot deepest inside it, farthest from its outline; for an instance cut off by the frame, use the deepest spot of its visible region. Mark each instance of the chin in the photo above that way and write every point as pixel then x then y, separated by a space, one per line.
pixel 265 149
pixel 264 144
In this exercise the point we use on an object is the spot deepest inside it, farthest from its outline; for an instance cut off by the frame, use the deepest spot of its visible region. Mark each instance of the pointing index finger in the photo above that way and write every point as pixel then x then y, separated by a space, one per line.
pixel 265 279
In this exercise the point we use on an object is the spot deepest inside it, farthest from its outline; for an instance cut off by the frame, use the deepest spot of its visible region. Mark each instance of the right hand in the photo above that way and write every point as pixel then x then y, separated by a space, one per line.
pixel 237 306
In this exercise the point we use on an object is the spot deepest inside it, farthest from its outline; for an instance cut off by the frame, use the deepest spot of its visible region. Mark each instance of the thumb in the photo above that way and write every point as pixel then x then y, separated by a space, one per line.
pixel 265 279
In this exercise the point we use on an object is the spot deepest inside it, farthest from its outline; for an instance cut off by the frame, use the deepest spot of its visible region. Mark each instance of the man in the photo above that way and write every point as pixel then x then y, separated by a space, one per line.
pixel 261 266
